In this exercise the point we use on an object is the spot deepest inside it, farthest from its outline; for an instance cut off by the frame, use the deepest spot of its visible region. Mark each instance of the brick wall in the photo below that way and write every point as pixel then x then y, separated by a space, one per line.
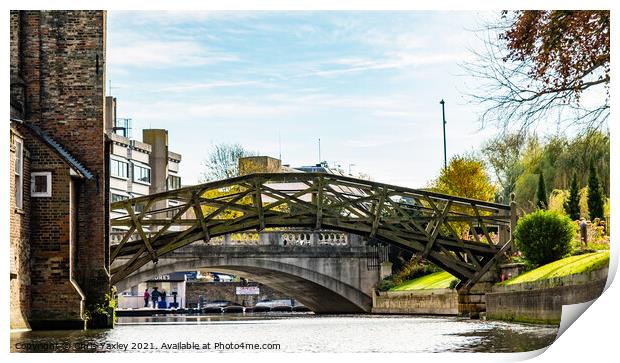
pixel 227 291
pixel 19 244
pixel 17 82
pixel 53 295
pixel 59 57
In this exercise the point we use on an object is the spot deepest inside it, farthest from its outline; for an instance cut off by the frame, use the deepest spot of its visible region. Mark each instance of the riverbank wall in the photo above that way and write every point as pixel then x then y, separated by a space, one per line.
pixel 423 302
pixel 541 301
pixel 538 302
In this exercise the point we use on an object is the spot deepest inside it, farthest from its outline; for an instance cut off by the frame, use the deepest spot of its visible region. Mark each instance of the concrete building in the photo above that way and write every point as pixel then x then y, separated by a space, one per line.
pixel 262 164
pixel 267 164
pixel 58 168
pixel 138 168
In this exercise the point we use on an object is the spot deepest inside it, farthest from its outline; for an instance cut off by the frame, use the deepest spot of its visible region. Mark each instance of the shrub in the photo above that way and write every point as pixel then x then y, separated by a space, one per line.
pixel 385 284
pixel 453 283
pixel 544 236
pixel 557 201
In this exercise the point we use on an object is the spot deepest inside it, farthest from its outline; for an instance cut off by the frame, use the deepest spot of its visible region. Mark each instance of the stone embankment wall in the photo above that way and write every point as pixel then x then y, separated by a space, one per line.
pixel 435 302
pixel 541 301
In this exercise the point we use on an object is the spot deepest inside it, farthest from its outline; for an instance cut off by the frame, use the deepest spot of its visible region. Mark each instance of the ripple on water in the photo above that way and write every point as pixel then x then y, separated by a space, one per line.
pixel 298 333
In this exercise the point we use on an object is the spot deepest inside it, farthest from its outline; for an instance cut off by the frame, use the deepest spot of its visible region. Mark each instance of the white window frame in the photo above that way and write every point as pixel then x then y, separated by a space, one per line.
pixel 127 167
pixel 19 171
pixel 48 175
pixel 133 173
pixel 168 181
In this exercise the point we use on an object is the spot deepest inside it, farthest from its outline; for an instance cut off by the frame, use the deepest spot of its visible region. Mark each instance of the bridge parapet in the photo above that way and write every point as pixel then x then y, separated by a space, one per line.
pixel 306 238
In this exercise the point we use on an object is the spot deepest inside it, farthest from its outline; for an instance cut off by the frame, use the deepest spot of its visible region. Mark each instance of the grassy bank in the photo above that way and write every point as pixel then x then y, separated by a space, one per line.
pixel 564 267
pixel 437 280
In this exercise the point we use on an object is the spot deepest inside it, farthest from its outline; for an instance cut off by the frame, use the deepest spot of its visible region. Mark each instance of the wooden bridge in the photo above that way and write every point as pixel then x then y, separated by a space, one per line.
pixel 431 224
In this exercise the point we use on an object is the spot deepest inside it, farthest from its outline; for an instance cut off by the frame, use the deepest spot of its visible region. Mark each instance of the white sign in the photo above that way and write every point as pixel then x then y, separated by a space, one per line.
pixel 248 290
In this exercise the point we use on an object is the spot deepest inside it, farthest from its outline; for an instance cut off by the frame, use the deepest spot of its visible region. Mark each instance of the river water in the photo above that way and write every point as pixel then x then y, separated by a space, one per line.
pixel 293 333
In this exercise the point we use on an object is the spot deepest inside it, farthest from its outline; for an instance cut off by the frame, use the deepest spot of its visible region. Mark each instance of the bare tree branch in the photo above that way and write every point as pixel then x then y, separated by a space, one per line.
pixel 223 162
pixel 514 101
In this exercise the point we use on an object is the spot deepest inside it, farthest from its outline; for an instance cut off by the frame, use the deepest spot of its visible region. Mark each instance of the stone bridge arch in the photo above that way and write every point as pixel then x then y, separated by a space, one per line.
pixel 341 284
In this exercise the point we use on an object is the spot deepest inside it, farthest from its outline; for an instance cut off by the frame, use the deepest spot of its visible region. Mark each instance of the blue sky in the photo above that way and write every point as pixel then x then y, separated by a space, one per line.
pixel 368 84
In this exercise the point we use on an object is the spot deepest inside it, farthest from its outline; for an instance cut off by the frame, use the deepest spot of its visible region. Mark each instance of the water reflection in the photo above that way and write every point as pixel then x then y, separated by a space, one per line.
pixel 292 333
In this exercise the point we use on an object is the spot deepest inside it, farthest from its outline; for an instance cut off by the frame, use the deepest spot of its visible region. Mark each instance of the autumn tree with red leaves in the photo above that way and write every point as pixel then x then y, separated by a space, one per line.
pixel 544 65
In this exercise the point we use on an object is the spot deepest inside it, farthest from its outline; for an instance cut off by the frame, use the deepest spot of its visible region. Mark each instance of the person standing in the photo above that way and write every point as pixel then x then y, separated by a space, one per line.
pixel 155 297
pixel 583 231
pixel 146 297
pixel 163 297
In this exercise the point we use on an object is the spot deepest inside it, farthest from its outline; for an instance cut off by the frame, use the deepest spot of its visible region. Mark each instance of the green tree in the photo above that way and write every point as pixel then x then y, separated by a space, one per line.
pixel 571 206
pixel 595 194
pixel 559 158
pixel 503 154
pixel 465 176
pixel 541 193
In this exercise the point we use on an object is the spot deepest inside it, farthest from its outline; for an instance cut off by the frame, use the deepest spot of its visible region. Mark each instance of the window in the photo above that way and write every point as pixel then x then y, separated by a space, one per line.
pixel 118 197
pixel 174 182
pixel 41 184
pixel 19 173
pixel 141 174
pixel 119 168
pixel 123 127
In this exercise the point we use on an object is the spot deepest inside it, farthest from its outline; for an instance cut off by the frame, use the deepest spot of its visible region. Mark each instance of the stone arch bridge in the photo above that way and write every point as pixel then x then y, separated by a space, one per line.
pixel 156 234
pixel 328 271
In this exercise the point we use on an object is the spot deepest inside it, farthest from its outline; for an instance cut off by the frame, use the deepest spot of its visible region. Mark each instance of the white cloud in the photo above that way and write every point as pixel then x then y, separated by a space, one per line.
pixel 381 133
pixel 202 86
pixel 410 114
pixel 161 54
pixel 391 60
pixel 196 111
pixel 373 143
pixel 175 17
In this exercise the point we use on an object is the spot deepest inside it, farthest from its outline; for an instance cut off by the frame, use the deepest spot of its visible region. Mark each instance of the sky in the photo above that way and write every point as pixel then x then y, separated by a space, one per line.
pixel 368 84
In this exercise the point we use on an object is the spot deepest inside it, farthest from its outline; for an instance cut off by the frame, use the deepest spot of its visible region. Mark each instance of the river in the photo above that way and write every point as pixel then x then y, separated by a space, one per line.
pixel 293 333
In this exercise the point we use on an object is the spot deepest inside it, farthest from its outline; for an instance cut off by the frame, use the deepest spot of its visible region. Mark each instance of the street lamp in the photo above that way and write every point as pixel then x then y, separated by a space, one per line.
pixel 443 112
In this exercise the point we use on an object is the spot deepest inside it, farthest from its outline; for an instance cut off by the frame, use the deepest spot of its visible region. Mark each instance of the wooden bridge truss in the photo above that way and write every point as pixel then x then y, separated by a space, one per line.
pixel 427 223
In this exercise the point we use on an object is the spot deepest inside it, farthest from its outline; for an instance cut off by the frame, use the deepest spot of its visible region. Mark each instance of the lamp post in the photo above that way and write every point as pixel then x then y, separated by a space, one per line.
pixel 443 112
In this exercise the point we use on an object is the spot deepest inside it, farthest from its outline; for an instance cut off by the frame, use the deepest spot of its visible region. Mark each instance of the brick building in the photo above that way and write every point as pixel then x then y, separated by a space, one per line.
pixel 59 204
